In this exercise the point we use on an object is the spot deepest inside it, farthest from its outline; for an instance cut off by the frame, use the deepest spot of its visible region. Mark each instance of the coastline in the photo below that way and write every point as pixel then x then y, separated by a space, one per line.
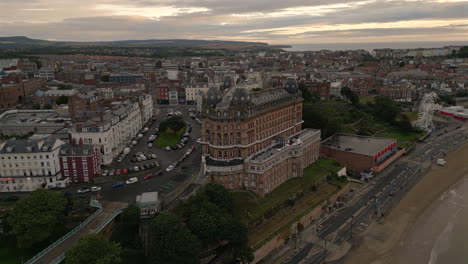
pixel 394 240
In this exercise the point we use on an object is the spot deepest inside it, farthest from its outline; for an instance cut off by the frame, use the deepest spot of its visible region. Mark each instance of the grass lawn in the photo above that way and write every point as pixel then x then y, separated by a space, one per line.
pixel 403 136
pixel 13 255
pixel 411 115
pixel 366 99
pixel 169 139
pixel 282 221
pixel 250 207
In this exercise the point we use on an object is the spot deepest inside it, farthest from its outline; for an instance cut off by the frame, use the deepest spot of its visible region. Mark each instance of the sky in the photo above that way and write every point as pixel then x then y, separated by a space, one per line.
pixel 271 21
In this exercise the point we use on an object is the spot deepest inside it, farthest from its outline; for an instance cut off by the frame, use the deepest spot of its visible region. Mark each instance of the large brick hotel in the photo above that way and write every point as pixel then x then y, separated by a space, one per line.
pixel 253 140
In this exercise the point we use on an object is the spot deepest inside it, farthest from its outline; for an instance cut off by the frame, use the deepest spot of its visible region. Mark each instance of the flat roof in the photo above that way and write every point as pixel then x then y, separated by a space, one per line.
pixel 147 197
pixel 28 118
pixel 365 145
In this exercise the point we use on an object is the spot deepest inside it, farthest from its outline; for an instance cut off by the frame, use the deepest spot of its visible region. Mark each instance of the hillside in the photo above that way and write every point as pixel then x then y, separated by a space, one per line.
pixel 25 42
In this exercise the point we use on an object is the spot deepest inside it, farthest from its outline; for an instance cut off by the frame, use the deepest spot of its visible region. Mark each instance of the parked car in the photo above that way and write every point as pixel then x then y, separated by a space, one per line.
pixel 130 170
pixel 95 189
pixel 124 171
pixel 171 167
pixel 168 148
pixel 199 140
pixel 83 190
pixel 179 146
pixel 149 176
pixel 136 168
pixel 154 156
pixel 132 180
pixel 142 167
pixel 111 172
pixel 118 171
pixel 192 148
pixel 150 145
pixel 117 184
pixel 159 173
pixel 146 166
pixel 105 172
pixel 156 164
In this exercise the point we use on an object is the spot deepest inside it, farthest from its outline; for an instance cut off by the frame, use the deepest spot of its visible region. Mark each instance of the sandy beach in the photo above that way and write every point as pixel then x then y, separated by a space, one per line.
pixel 420 227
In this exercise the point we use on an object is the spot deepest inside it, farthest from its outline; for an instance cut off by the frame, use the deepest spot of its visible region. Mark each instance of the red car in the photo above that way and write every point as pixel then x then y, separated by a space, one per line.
pixel 192 148
pixel 124 171
pixel 118 171
pixel 149 176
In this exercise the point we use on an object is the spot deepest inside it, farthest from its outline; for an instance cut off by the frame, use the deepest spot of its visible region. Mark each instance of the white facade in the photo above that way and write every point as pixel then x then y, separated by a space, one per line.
pixel 113 136
pixel 25 169
pixel 192 93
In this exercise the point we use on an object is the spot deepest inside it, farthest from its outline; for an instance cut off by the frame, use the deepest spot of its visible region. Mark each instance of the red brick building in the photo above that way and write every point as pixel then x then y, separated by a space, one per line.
pixel 163 94
pixel 359 153
pixel 79 162
pixel 11 94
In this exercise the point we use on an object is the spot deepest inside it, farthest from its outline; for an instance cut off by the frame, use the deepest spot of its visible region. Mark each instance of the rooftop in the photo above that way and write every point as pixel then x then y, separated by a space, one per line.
pixel 147 197
pixel 365 145
pixel 76 150
pixel 28 146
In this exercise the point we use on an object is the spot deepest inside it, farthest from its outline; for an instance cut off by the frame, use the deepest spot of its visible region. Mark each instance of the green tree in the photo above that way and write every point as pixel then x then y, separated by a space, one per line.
pixel 171 242
pixel 35 217
pixel 174 123
pixel 220 196
pixel 305 93
pixel 94 249
pixel 352 97
pixel 386 109
pixel 36 106
pixel 126 230
pixel 62 100
pixel 47 106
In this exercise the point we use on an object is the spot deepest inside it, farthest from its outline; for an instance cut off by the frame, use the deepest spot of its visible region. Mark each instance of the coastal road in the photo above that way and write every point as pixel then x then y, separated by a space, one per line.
pixel 385 191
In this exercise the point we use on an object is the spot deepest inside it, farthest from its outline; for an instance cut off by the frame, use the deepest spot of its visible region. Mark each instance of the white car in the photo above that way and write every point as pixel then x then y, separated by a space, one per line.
pixel 168 148
pixel 171 167
pixel 83 190
pixel 132 180
pixel 199 140
pixel 136 168
pixel 105 172
pixel 150 145
pixel 95 189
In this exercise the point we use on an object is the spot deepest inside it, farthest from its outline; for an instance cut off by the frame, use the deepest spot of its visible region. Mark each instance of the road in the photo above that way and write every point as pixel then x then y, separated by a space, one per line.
pixel 128 193
pixel 383 192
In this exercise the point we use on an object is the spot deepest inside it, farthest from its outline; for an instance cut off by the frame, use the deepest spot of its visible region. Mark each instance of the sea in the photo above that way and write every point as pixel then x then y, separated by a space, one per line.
pixel 374 45
pixel 440 235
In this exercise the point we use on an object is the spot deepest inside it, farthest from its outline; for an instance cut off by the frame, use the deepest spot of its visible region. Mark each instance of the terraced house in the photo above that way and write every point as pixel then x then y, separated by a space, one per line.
pixel 253 139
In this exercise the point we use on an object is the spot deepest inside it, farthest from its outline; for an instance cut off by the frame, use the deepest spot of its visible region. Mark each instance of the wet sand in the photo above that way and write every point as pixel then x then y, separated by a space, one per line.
pixel 424 225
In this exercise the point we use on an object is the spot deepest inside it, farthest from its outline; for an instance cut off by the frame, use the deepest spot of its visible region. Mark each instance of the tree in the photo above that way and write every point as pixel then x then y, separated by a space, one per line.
pixel 62 100
pixel 305 92
pixel 47 106
pixel 94 249
pixel 352 97
pixel 36 106
pixel 126 231
pixel 174 123
pixel 171 242
pixel 62 86
pixel 385 109
pixel 220 196
pixel 35 217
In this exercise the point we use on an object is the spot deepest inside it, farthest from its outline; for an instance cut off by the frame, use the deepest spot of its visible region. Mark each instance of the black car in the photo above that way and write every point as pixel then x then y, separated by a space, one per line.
pixel 130 170
pixel 146 166
pixel 174 148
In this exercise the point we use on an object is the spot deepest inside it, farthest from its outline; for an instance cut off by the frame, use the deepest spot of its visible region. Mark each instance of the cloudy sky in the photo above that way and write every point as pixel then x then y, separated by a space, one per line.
pixel 272 21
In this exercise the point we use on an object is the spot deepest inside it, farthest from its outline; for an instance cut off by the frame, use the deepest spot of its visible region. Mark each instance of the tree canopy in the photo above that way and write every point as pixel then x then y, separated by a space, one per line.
pixel 174 123
pixel 352 97
pixel 171 241
pixel 62 100
pixel 93 249
pixel 34 217
pixel 126 230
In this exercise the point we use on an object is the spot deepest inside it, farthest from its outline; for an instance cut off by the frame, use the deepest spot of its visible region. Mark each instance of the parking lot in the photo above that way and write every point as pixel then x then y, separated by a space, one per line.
pixel 166 180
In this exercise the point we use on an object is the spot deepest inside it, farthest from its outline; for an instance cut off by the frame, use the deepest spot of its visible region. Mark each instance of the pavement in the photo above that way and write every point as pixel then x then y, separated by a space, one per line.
pixel 380 195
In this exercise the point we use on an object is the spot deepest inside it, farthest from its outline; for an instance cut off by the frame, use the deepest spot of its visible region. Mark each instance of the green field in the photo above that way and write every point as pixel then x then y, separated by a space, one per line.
pixel 169 138
pixel 250 207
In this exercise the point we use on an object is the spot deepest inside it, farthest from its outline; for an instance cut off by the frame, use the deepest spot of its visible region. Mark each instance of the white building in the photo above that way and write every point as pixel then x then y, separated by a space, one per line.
pixel 193 91
pixel 47 74
pixel 26 165
pixel 114 128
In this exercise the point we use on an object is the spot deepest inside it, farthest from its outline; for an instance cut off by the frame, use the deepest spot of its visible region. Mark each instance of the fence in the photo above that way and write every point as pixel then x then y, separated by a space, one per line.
pixel 93 203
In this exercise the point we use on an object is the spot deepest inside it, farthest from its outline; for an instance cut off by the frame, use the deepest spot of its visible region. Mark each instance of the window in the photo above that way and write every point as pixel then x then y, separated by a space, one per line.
pixel 65 173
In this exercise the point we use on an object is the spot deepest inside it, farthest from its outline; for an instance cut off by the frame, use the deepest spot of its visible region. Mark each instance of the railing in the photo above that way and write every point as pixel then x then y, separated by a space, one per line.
pixel 93 203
